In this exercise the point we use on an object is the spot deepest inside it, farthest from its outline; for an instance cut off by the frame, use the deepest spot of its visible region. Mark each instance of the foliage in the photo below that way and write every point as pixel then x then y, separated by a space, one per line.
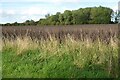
pixel 89 15
pixel 101 15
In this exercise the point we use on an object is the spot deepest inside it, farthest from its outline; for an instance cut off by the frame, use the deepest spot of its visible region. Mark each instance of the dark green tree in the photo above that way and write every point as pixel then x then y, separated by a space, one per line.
pixel 67 15
pixel 15 24
pixel 100 15
pixel 61 19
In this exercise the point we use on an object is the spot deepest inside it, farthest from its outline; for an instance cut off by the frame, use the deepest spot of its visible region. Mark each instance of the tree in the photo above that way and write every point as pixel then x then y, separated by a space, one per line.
pixel 89 15
pixel 15 24
pixel 42 22
pixel 52 20
pixel 58 15
pixel 61 19
pixel 75 17
pixel 101 15
pixel 67 15
pixel 29 22
pixel 81 16
pixel 32 22
pixel 47 15
pixel 8 24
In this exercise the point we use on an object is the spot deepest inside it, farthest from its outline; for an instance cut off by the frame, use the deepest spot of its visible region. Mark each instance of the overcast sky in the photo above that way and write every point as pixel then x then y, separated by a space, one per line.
pixel 22 10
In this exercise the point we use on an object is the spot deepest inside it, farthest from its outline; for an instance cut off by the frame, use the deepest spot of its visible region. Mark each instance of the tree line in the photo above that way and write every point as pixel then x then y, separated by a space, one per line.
pixel 89 15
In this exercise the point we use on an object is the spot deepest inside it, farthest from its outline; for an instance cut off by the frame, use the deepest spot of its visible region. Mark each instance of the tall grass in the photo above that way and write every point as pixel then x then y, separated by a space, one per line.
pixel 49 58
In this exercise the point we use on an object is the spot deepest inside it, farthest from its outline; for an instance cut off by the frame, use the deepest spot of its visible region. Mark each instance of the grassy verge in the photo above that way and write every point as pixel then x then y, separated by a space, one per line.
pixel 50 59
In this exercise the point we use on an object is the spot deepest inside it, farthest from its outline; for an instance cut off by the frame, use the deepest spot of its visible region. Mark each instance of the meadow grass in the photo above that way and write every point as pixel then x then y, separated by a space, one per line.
pixel 25 58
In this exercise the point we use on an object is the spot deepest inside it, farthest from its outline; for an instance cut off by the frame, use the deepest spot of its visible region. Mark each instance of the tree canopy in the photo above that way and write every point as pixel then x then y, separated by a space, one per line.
pixel 89 15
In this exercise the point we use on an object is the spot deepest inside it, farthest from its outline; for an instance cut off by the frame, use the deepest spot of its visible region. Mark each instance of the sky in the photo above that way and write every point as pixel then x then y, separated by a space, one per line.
pixel 22 10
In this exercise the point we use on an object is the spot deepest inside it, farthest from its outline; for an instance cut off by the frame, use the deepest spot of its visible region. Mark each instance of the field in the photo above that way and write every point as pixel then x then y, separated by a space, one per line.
pixel 79 51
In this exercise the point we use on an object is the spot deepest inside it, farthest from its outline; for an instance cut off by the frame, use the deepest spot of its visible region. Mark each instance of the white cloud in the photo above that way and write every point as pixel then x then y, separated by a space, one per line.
pixel 22 14
pixel 33 17
pixel 37 11
pixel 0 11
pixel 60 1
pixel 115 8
pixel 34 11
pixel 12 12
pixel 4 13
pixel 23 17
pixel 27 11
pixel 51 1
